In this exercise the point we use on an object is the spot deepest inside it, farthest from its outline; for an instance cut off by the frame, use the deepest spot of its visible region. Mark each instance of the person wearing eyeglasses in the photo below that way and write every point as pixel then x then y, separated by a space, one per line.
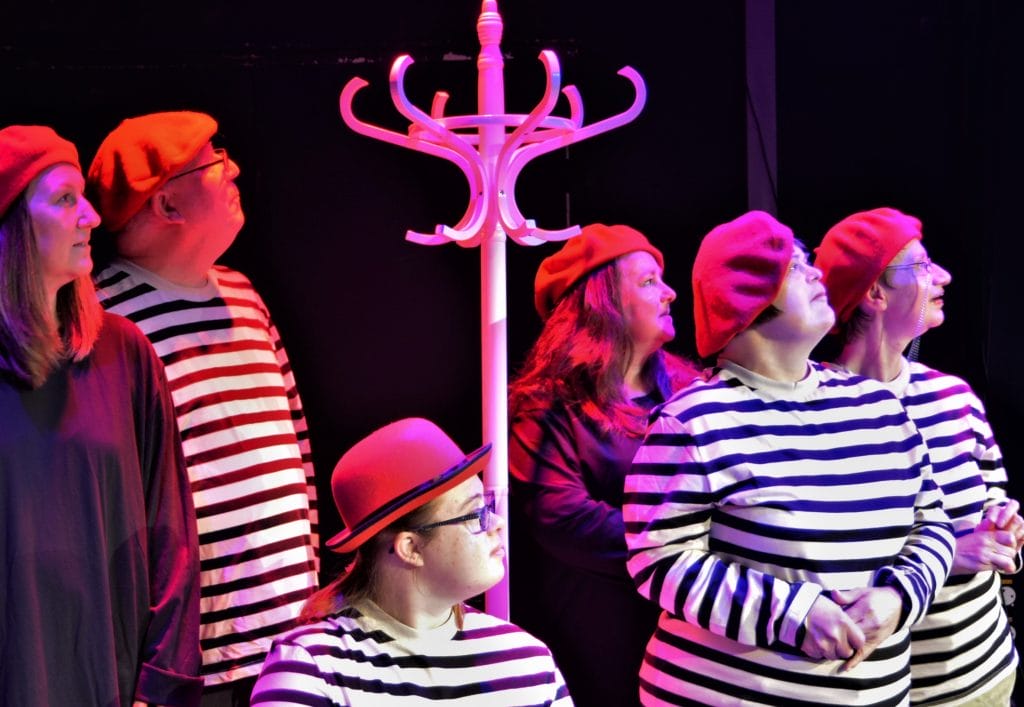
pixel 781 513
pixel 422 537
pixel 169 199
pixel 578 412
pixel 886 293
pixel 99 587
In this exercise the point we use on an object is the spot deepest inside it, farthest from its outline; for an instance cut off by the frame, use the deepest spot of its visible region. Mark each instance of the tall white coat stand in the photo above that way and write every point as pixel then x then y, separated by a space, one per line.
pixel 491 148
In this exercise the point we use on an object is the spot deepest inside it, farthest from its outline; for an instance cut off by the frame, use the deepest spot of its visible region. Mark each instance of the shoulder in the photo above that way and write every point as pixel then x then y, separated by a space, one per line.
pixel 920 374
pixel 844 383
pixel 711 385
pixel 479 625
pixel 231 277
pixel 331 629
pixel 123 331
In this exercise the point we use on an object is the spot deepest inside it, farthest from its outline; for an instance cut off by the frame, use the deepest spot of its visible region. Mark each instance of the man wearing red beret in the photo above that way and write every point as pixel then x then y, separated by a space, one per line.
pixel 170 199
pixel 782 514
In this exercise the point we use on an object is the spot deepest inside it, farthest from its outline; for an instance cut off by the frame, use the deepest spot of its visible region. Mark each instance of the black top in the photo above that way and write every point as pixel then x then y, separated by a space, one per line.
pixel 569 585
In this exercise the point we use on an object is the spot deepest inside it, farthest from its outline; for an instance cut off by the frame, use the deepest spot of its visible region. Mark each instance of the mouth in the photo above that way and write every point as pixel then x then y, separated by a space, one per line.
pixel 498 551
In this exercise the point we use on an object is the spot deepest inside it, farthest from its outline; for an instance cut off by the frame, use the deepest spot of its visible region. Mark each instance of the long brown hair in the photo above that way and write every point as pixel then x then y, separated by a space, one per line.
pixel 32 344
pixel 581 355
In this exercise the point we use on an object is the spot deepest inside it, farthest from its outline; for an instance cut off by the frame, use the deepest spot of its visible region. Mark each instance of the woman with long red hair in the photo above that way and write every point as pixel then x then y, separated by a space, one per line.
pixel 578 413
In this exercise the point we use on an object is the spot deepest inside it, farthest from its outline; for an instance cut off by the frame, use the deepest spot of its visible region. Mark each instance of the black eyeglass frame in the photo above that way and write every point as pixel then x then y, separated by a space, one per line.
pixel 482 514
pixel 926 264
pixel 221 153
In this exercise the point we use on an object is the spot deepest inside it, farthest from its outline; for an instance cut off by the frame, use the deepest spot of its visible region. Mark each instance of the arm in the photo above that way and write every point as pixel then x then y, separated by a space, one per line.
pixel 549 487
pixel 290 676
pixel 924 561
pixel 1001 513
pixel 994 543
pixel 670 502
pixel 301 431
pixel 170 656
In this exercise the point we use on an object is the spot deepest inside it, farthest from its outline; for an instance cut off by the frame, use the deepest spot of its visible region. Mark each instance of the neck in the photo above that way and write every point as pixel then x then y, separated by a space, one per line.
pixel 873 354
pixel 775 360
pixel 403 600
pixel 632 382
pixel 184 274
pixel 173 253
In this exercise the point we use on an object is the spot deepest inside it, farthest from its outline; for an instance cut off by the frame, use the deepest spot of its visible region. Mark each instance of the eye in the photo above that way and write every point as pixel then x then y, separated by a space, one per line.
pixel 67 199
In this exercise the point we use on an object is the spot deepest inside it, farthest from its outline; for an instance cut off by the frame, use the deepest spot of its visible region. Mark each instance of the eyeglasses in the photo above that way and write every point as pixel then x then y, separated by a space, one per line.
pixel 925 265
pixel 222 159
pixel 482 516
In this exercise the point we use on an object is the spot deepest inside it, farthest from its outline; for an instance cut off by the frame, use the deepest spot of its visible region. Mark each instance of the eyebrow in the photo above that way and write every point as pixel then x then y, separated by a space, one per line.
pixel 472 499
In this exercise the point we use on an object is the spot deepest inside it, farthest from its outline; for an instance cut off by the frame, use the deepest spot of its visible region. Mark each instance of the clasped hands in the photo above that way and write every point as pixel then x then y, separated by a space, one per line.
pixel 851 624
pixel 993 544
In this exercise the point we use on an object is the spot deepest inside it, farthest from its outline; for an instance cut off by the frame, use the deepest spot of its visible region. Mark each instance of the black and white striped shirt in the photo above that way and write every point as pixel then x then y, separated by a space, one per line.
pixel 748 499
pixel 246 446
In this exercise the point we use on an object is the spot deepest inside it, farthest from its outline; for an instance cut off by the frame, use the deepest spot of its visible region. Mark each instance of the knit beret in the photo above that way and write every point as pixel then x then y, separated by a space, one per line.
pixel 25 151
pixel 596 245
pixel 855 252
pixel 138 158
pixel 739 271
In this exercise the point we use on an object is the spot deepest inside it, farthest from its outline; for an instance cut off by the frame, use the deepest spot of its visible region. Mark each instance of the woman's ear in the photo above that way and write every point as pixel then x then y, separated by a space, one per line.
pixel 407 547
pixel 877 299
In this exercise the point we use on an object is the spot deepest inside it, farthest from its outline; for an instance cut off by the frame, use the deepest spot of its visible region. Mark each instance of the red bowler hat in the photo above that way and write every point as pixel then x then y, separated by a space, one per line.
pixel 394 471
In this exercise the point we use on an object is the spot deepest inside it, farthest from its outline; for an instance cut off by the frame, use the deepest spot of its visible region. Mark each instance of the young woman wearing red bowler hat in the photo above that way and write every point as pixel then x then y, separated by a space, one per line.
pixel 98 553
pixel 393 628
pixel 886 292
pixel 781 513
pixel 578 413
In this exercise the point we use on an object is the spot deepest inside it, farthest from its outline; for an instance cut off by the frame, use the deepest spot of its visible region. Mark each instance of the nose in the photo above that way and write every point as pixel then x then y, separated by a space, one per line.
pixel 667 293
pixel 940 276
pixel 497 522
pixel 87 216
pixel 233 169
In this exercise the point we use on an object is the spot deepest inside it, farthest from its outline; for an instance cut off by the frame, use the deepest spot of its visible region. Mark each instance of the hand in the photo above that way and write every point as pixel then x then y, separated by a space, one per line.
pixel 985 549
pixel 875 611
pixel 1005 517
pixel 831 634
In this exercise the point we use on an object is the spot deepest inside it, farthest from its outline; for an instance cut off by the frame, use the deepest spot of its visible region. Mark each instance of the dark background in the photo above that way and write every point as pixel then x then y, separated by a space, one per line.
pixel 911 104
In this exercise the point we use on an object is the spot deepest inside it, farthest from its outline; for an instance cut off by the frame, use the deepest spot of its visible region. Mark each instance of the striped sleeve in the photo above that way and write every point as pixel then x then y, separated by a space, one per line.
pixel 670 500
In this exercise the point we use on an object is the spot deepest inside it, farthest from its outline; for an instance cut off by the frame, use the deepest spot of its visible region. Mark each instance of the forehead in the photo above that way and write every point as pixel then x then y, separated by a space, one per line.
pixel 460 495
pixel 638 261
pixel 910 253
pixel 204 155
pixel 56 177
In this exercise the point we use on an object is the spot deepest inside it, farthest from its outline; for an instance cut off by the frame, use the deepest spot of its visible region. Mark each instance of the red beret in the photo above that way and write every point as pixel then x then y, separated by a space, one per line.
pixel 596 245
pixel 25 151
pixel 855 252
pixel 738 272
pixel 138 158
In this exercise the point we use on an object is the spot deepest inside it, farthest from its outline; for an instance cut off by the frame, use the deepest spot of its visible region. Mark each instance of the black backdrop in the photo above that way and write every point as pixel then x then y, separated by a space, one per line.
pixel 913 104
